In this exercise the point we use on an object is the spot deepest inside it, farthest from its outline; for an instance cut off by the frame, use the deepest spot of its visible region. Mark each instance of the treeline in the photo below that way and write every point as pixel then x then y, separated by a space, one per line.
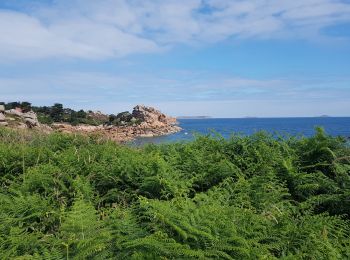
pixel 59 113
pixel 25 106
pixel 246 197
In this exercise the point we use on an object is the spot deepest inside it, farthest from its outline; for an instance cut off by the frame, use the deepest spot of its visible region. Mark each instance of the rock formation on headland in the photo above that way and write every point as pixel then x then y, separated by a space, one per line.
pixel 16 118
pixel 150 117
pixel 2 116
pixel 142 122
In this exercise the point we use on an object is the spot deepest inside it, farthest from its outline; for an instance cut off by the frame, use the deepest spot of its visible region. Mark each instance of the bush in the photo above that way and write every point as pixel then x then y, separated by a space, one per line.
pixel 44 119
pixel 246 197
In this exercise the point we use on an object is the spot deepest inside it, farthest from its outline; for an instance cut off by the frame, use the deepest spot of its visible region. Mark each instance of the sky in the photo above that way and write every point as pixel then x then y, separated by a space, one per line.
pixel 219 58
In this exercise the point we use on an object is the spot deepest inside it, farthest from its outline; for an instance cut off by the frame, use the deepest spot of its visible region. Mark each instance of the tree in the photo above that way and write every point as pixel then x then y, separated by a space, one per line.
pixel 12 105
pixel 124 116
pixel 26 106
pixel 112 118
pixel 57 112
pixel 81 114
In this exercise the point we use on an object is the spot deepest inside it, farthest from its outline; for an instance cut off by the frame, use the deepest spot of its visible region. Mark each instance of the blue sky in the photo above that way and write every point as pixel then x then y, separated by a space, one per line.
pixel 223 58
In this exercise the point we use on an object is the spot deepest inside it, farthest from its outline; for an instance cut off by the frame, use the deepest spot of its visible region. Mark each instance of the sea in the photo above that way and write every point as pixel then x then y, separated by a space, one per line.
pixel 301 126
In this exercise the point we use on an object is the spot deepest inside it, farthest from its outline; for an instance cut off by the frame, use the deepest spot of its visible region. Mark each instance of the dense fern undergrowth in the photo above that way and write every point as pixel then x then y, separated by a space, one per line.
pixel 246 197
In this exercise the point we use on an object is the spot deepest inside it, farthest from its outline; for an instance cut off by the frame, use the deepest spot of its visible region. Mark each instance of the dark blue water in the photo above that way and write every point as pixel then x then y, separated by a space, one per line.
pixel 288 126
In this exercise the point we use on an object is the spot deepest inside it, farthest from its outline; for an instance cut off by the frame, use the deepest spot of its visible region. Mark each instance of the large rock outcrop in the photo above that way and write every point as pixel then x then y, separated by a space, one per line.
pixel 15 118
pixel 151 117
pixel 3 119
pixel 142 122
pixel 14 112
pixel 30 119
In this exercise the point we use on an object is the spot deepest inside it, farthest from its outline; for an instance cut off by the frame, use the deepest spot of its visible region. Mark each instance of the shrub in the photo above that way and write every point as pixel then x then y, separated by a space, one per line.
pixel 246 197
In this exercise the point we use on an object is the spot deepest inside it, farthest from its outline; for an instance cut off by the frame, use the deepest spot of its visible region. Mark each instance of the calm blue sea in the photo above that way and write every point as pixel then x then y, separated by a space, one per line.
pixel 226 126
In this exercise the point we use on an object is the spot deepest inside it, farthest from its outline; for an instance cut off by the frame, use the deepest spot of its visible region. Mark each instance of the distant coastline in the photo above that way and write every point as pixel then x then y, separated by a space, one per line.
pixel 193 117
pixel 259 117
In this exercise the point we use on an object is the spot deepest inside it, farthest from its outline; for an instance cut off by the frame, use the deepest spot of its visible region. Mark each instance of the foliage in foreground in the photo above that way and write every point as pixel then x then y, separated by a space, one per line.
pixel 257 197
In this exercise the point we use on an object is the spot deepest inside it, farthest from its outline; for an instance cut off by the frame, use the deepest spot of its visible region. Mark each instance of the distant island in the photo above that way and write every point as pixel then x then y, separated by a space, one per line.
pixel 193 117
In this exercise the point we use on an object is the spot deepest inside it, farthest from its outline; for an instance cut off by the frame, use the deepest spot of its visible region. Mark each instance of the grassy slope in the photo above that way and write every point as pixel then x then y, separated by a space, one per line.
pixel 74 197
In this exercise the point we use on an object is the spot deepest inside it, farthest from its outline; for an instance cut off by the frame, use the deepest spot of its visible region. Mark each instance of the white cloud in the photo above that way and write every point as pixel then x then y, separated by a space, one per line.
pixel 25 37
pixel 113 28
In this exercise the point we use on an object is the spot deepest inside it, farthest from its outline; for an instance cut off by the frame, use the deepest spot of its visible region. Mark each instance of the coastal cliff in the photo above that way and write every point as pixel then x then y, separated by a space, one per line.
pixel 142 122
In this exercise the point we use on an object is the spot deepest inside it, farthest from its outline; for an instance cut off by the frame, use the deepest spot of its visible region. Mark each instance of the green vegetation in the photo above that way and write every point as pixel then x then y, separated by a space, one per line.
pixel 256 197
pixel 123 118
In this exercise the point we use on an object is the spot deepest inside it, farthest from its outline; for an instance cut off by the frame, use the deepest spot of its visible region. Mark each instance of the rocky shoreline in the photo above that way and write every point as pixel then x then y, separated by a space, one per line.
pixel 151 123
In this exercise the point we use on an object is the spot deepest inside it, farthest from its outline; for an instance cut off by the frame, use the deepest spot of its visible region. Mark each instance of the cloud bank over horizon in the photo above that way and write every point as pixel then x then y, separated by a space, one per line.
pixel 110 54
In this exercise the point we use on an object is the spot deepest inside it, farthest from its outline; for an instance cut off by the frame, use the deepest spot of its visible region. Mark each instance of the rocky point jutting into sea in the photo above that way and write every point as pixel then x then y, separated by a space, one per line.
pixel 148 122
